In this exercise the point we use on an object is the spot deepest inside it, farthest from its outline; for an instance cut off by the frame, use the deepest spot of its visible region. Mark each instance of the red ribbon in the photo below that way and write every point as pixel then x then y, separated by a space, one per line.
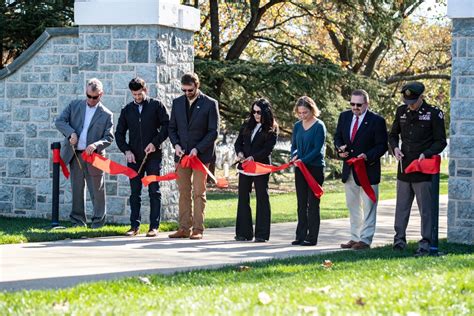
pixel 107 165
pixel 428 165
pixel 361 172
pixel 313 184
pixel 167 177
pixel 57 159
pixel 257 168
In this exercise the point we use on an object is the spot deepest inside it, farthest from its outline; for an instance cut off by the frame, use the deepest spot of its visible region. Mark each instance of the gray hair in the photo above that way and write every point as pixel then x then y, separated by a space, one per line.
pixel 95 85
pixel 363 93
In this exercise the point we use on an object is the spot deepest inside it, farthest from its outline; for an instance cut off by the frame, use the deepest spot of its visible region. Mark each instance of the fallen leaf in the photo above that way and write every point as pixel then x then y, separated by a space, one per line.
pixel 327 264
pixel 61 306
pixel 264 298
pixel 243 268
pixel 145 280
pixel 360 301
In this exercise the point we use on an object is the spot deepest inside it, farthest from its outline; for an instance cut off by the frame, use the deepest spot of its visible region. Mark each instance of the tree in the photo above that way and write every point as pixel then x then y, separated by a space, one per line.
pixel 22 22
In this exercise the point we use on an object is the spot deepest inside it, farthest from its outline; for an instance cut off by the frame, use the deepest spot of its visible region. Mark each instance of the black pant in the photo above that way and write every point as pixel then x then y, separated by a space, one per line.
pixel 151 167
pixel 308 205
pixel 243 226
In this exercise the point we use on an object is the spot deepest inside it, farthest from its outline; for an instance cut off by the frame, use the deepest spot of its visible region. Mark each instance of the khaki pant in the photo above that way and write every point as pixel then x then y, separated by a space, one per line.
pixel 190 217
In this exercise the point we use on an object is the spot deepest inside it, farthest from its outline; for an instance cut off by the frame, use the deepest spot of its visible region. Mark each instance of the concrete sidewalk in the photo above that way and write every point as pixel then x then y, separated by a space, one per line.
pixel 66 263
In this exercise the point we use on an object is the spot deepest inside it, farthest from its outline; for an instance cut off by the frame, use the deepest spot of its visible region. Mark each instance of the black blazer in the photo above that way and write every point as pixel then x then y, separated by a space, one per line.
pixel 201 130
pixel 260 148
pixel 149 126
pixel 371 139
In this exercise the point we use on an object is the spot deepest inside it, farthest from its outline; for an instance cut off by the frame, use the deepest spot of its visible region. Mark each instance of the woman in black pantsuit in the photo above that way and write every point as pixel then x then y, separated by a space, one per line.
pixel 256 140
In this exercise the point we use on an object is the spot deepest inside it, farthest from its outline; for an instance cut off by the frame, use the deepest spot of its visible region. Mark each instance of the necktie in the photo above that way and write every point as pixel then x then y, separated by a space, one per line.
pixel 354 129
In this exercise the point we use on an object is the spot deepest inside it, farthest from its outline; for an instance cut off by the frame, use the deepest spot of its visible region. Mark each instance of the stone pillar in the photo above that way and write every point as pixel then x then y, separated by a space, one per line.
pixel 461 165
pixel 121 39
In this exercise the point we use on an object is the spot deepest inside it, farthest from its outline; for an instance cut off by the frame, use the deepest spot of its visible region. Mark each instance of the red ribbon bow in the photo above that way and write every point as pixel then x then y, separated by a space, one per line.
pixel 427 166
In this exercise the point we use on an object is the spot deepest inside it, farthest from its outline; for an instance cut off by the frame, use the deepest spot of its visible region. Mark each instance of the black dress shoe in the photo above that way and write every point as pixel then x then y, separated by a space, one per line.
pixel 259 239
pixel 242 238
pixel 309 243
pixel 297 242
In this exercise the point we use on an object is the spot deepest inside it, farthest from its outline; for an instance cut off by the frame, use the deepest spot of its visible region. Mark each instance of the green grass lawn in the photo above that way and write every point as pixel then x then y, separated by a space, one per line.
pixel 377 281
pixel 220 211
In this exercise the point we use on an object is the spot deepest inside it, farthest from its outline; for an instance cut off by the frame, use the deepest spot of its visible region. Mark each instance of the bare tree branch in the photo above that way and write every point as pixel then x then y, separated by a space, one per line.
pixel 394 79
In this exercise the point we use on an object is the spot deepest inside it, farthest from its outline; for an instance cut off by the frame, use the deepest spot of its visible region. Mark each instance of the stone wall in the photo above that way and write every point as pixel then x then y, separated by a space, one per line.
pixel 40 83
pixel 461 166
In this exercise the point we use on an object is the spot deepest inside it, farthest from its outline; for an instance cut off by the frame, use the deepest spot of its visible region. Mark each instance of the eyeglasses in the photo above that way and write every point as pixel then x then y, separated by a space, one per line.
pixel 187 90
pixel 256 112
pixel 92 97
pixel 357 104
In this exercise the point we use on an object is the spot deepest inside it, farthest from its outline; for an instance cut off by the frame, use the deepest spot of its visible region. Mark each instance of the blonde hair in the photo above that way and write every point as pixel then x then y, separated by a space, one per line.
pixel 308 103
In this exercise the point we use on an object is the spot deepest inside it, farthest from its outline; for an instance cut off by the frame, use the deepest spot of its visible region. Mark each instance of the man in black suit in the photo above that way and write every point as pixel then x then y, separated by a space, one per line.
pixel 361 133
pixel 193 130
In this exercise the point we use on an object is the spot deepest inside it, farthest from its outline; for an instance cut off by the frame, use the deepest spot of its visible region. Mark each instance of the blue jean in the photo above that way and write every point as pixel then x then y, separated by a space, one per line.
pixel 151 167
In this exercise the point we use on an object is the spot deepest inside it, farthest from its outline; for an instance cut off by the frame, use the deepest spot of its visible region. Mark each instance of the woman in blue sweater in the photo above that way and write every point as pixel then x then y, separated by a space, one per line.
pixel 308 146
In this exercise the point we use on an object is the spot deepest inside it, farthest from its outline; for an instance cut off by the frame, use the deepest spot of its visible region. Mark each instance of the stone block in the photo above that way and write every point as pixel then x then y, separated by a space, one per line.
pixel 19 168
pixel 123 31
pixel 127 68
pixel 25 198
pixel 30 77
pixel 49 59
pixel 158 52
pixel 460 189
pixel 119 44
pixel 40 168
pixel 37 148
pixel 138 51
pixel 464 173
pixel 45 186
pixel 462 46
pixel 91 29
pixel 115 57
pixel 467 128
pixel 30 130
pixel 148 73
pixel 21 114
pixel 68 88
pixel 43 90
pixel 98 42
pixel 453 87
pixel 61 74
pixel 14 140
pixel 6 208
pixel 465 163
pixel 462 109
pixel 463 28
pixel 148 31
pixel 62 40
pixel 121 80
pixel 45 77
pixel 42 69
pixel 88 60
pixel 462 67
pixel 452 167
pixel 50 134
pixel 461 235
pixel 69 60
pixel 6 193
pixel 466 210
pixel 39 114
pixel 65 49
pixel 110 188
pixel 17 90
pixel 5 123
pixel 465 91
pixel 20 153
pixel 461 147
pixel 114 103
pixel 115 205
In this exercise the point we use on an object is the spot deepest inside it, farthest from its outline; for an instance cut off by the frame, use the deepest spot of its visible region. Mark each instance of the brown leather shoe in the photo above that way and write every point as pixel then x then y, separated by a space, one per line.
pixel 132 232
pixel 349 244
pixel 152 233
pixel 196 235
pixel 360 246
pixel 181 233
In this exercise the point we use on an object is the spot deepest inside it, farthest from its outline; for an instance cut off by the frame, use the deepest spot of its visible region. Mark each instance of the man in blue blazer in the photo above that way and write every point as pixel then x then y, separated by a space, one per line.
pixel 193 130
pixel 361 133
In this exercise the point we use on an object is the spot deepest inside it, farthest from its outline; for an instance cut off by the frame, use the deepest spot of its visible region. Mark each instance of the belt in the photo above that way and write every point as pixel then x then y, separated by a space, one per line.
pixel 79 151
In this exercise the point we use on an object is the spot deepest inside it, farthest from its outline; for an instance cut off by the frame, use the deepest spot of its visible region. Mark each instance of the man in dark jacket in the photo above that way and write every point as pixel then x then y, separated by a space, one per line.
pixel 361 133
pixel 146 121
pixel 421 128
pixel 193 131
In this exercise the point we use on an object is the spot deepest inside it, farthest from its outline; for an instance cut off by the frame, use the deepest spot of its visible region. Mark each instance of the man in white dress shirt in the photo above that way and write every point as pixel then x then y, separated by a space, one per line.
pixel 88 127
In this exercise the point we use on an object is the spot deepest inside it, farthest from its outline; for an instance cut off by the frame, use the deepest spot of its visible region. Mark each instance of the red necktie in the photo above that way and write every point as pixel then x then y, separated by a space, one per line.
pixel 354 129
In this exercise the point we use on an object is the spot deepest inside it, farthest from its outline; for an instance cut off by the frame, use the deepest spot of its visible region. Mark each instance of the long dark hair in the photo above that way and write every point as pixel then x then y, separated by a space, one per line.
pixel 267 119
